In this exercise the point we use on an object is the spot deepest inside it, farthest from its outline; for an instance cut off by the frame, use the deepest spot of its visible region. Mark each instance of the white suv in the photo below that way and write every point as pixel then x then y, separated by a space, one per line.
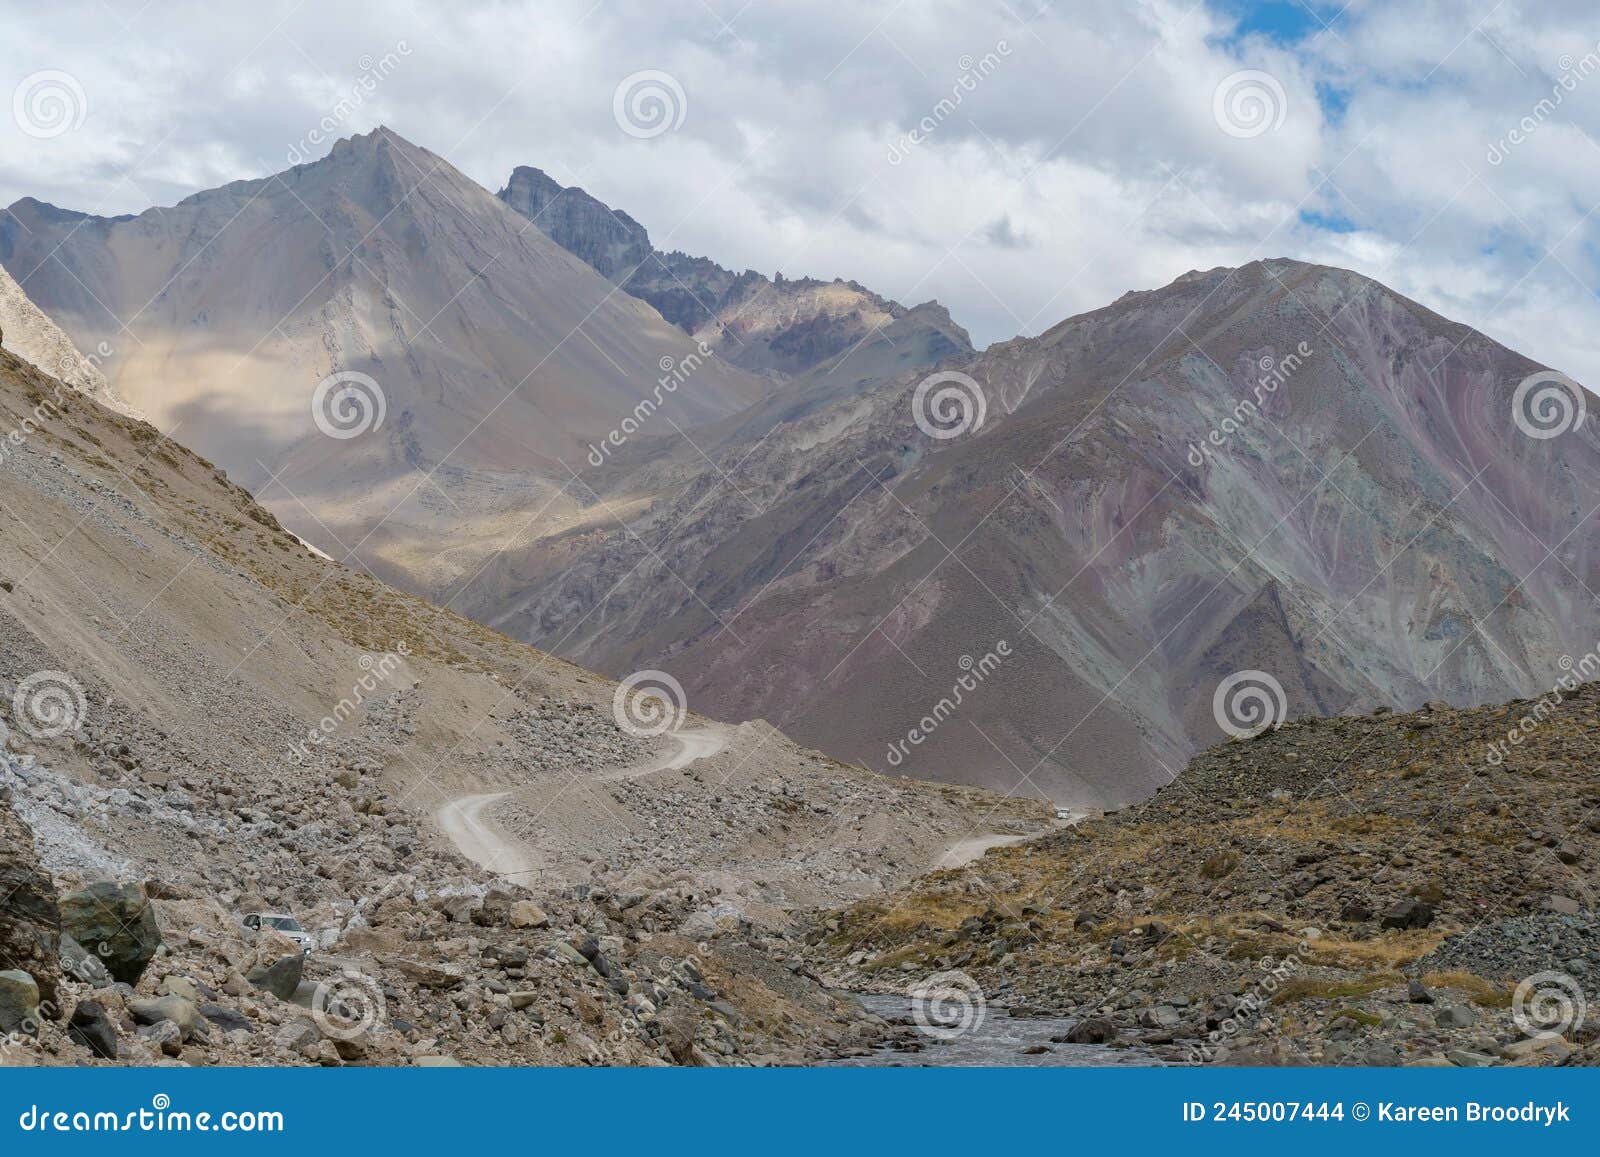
pixel 279 922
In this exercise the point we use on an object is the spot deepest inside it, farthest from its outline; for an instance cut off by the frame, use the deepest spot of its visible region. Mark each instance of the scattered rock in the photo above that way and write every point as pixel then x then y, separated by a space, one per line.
pixel 176 1009
pixel 527 914
pixel 91 1028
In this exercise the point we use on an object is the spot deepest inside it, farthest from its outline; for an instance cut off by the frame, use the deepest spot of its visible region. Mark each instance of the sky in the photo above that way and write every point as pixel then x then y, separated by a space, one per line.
pixel 1020 161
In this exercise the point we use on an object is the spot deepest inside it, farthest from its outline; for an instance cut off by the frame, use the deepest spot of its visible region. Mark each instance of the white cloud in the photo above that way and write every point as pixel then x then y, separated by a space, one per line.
pixel 1086 163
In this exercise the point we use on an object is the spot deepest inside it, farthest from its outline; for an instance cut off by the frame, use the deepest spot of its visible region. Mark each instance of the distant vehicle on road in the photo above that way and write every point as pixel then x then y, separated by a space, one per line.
pixel 279 922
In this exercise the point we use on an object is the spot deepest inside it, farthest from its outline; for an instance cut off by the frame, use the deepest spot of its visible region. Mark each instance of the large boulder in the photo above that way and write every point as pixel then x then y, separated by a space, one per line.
pixel 281 977
pixel 91 1028
pixel 1408 913
pixel 117 923
pixel 30 923
pixel 19 1003
pixel 1091 1030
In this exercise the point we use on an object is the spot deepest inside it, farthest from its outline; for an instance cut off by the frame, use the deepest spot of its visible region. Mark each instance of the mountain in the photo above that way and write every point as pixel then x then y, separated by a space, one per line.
pixel 32 336
pixel 765 324
pixel 488 358
pixel 201 719
pixel 1369 526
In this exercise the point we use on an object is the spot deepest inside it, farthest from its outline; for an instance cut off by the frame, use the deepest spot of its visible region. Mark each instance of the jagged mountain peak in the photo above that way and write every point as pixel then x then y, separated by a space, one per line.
pixel 774 325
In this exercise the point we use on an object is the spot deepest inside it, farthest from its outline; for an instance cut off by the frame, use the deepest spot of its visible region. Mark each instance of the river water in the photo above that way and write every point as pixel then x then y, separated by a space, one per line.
pixel 999 1039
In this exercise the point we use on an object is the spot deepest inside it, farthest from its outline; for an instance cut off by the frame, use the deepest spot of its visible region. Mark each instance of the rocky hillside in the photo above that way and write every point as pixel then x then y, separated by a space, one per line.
pixel 1282 468
pixel 1382 889
pixel 28 333
pixel 766 324
pixel 200 719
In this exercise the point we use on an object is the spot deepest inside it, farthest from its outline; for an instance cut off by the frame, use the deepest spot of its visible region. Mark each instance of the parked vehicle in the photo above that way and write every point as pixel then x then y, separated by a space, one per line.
pixel 279 922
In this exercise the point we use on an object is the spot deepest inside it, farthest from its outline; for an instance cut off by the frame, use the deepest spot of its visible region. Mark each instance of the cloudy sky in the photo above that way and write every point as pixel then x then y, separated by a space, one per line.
pixel 1019 160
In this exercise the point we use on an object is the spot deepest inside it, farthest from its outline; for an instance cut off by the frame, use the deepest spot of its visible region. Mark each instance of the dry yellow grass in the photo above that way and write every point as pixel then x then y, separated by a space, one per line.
pixel 1389 951
pixel 1483 993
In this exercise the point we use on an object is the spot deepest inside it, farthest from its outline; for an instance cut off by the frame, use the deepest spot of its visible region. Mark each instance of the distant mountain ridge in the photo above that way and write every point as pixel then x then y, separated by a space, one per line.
pixel 762 323
pixel 1376 530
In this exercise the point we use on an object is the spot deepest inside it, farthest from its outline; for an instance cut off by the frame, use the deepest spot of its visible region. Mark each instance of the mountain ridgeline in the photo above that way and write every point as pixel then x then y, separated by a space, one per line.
pixel 1046 571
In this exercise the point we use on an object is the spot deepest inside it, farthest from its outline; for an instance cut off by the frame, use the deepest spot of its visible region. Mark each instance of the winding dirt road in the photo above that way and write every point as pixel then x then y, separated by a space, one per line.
pixel 466 821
